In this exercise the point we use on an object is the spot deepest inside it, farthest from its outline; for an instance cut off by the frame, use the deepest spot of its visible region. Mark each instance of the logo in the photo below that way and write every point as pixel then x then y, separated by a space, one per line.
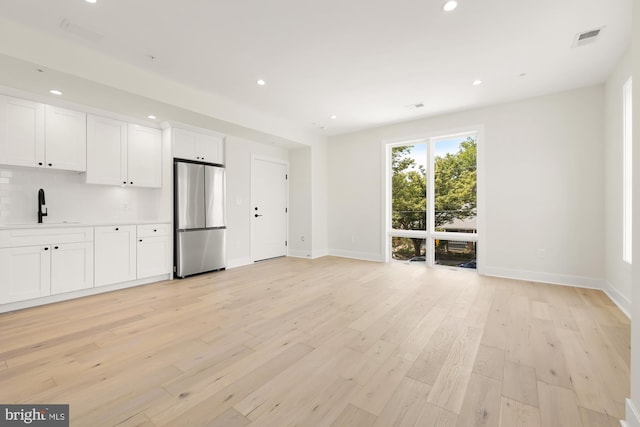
pixel 34 415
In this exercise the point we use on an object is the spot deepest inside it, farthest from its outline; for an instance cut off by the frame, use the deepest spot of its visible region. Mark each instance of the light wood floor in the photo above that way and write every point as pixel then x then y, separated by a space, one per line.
pixel 329 342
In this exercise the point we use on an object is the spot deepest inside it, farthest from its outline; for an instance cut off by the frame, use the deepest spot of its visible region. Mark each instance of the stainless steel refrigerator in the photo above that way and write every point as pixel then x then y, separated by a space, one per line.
pixel 200 229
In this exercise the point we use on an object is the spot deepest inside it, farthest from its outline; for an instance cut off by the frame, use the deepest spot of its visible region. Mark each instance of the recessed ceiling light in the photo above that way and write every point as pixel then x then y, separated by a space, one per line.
pixel 261 82
pixel 477 82
pixel 90 1
pixel 450 5
pixel 334 117
pixel 55 92
pixel 151 116
pixel 522 75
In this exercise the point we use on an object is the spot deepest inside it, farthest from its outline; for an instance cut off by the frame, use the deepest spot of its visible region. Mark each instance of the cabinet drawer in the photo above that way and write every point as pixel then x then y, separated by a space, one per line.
pixel 152 230
pixel 46 236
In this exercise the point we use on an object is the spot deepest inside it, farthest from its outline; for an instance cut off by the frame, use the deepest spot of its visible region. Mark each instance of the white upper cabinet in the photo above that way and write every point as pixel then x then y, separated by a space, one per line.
pixel 120 153
pixel 106 151
pixel 196 146
pixel 21 131
pixel 65 139
pixel 38 135
pixel 144 156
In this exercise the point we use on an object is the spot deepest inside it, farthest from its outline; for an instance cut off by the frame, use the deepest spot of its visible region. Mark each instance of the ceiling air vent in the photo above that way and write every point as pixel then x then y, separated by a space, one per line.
pixel 587 37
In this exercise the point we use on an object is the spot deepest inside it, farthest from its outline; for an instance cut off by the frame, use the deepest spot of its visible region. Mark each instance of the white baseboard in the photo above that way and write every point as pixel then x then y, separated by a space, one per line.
pixel 238 262
pixel 299 254
pixel 319 253
pixel 366 256
pixel 552 278
pixel 633 416
pixel 623 303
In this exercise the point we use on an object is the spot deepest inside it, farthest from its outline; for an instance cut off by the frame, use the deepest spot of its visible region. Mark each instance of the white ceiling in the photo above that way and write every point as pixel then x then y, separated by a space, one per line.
pixel 364 61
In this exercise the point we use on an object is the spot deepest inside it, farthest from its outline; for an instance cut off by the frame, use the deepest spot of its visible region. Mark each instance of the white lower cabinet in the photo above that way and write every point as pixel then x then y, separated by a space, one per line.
pixel 26 273
pixel 115 254
pixel 36 263
pixel 153 250
pixel 71 267
pixel 43 270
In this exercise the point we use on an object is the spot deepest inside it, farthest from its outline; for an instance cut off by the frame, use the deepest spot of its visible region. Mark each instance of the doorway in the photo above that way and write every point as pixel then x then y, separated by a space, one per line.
pixel 269 208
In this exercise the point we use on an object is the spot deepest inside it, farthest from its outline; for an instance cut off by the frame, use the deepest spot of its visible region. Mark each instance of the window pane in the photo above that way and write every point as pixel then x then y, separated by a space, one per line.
pixel 408 187
pixel 408 249
pixel 455 185
pixel 456 253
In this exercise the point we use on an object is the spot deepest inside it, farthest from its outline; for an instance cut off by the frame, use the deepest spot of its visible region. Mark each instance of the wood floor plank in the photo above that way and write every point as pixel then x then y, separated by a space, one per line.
pixel 329 341
pixel 489 362
pixel 352 416
pixel 450 387
pixel 405 405
pixel 481 406
pixel 517 414
pixel 433 415
pixel 378 390
pixel 519 383
pixel 558 406
pixel 597 419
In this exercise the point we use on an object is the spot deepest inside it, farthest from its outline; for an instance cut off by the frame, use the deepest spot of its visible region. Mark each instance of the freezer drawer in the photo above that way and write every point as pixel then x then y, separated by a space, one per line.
pixel 199 251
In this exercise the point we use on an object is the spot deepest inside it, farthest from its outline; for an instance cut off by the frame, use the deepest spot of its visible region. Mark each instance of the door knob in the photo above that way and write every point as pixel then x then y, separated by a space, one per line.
pixel 256 215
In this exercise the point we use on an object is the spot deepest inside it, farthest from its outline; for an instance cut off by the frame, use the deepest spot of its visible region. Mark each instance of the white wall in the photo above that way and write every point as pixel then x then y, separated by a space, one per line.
pixel 238 163
pixel 544 181
pixel 319 198
pixel 633 403
pixel 618 273
pixel 300 234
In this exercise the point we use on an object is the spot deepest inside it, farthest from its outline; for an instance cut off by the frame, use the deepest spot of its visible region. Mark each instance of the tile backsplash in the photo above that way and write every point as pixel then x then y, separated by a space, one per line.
pixel 69 199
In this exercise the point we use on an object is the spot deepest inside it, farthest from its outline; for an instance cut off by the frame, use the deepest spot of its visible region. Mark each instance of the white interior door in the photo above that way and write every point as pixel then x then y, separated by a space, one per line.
pixel 268 209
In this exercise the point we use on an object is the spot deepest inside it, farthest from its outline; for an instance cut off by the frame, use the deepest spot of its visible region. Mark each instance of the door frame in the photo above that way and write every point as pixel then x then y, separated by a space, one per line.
pixel 285 163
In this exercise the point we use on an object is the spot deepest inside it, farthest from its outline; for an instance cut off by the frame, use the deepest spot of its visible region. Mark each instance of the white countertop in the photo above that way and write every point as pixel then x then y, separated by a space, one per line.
pixel 79 224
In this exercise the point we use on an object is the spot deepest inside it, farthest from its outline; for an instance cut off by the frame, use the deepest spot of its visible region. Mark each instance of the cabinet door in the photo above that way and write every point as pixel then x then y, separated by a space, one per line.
pixel 106 151
pixel 21 132
pixel 65 139
pixel 153 256
pixel 115 254
pixel 209 149
pixel 71 267
pixel 144 156
pixel 184 145
pixel 25 273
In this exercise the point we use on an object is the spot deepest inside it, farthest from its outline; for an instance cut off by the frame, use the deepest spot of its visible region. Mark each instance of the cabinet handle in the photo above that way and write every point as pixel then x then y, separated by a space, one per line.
pixel 39 163
pixel 50 164
pixel 46 249
pixel 131 183
pixel 140 240
pixel 55 247
pixel 155 231
pixel 124 182
pixel 117 229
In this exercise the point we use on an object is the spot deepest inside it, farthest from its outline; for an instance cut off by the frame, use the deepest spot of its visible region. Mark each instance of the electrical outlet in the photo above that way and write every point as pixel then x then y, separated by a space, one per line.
pixel 302 238
pixel 540 253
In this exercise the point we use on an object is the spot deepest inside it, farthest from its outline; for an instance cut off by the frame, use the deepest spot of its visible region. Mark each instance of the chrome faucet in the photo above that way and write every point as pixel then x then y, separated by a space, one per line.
pixel 41 206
